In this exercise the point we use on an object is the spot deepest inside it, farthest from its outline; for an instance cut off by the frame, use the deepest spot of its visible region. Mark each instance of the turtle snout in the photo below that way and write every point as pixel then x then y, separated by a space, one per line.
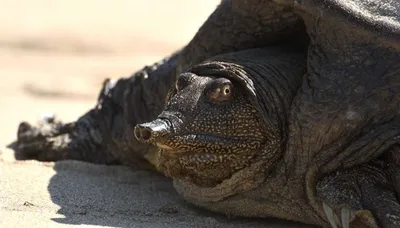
pixel 151 131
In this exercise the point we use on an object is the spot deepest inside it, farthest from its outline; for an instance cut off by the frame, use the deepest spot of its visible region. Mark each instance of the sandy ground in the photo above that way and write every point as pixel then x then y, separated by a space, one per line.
pixel 76 193
pixel 54 54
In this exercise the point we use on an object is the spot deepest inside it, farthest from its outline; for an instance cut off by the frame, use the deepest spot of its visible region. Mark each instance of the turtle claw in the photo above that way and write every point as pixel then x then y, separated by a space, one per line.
pixel 345 217
pixel 359 218
pixel 329 215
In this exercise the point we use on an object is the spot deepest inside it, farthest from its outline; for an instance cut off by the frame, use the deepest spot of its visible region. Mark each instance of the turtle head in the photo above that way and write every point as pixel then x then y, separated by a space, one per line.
pixel 226 116
pixel 208 130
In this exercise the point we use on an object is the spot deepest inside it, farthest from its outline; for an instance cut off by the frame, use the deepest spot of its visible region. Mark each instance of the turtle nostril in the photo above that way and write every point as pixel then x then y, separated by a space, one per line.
pixel 145 133
pixel 142 133
pixel 151 131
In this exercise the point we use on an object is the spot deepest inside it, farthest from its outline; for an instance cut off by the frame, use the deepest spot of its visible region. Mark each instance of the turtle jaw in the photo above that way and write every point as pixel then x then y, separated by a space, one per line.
pixel 204 159
pixel 189 144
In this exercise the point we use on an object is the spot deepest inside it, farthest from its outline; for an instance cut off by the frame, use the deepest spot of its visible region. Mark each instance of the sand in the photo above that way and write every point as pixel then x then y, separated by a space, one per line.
pixel 76 193
pixel 54 54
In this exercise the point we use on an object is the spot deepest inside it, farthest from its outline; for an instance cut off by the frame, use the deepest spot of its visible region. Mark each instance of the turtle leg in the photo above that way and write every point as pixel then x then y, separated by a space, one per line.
pixel 105 133
pixel 363 196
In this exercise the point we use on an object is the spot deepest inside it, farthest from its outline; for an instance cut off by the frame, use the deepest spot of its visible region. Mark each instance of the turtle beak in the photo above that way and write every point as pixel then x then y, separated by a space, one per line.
pixel 152 131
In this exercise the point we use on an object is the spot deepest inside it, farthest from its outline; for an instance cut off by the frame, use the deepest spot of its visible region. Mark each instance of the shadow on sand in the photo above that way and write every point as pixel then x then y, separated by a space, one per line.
pixel 117 196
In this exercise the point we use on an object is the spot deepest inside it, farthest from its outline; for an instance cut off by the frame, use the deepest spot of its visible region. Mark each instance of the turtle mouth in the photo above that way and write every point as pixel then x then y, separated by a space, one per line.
pixel 201 156
pixel 201 144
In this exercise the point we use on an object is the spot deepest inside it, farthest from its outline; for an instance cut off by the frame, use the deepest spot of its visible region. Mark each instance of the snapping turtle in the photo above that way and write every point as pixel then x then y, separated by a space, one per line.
pixel 309 150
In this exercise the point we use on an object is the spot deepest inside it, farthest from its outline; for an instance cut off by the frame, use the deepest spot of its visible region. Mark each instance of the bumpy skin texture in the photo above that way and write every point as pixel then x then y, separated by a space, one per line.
pixel 204 118
pixel 343 116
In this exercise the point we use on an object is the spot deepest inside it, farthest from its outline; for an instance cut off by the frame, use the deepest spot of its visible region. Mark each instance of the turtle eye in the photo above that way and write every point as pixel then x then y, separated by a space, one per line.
pixel 220 90
pixel 183 81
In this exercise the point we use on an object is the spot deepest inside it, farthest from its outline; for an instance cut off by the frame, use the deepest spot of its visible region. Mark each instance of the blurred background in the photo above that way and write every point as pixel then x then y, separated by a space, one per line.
pixel 54 54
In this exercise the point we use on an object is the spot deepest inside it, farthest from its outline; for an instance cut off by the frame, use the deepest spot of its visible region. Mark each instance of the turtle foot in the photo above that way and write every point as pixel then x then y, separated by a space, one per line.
pixel 344 217
pixel 44 142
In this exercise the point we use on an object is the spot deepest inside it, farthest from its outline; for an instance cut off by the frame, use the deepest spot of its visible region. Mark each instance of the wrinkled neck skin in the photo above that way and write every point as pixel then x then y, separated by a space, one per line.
pixel 346 111
pixel 262 186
